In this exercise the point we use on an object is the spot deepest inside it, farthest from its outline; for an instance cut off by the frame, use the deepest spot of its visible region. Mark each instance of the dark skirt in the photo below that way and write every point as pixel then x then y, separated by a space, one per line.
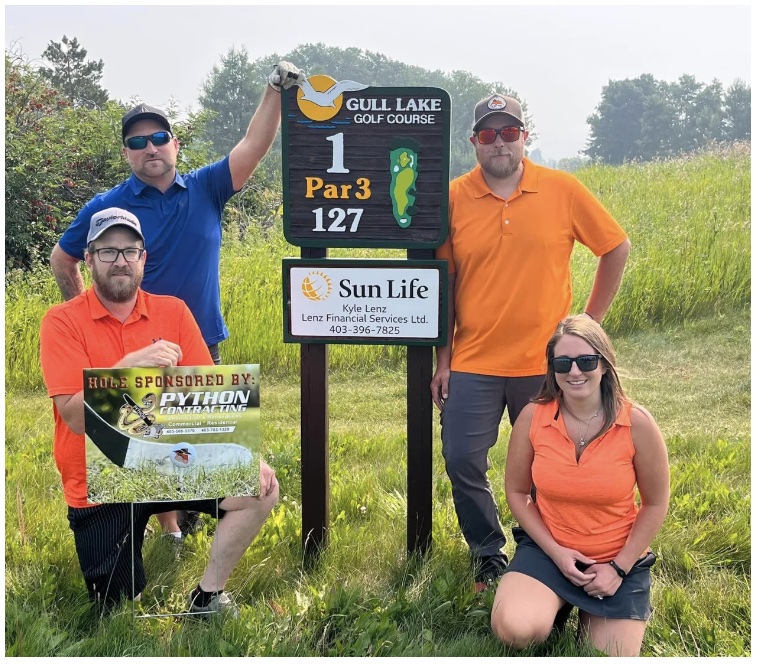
pixel 630 602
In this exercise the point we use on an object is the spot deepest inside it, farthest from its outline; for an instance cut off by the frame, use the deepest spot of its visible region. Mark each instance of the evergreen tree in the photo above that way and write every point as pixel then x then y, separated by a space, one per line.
pixel 74 77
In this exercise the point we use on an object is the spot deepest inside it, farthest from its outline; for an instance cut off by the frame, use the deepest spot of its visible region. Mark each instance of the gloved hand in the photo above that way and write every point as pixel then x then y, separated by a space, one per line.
pixel 285 75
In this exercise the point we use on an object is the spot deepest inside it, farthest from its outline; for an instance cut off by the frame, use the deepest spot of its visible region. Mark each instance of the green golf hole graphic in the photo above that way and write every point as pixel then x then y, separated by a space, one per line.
pixel 403 164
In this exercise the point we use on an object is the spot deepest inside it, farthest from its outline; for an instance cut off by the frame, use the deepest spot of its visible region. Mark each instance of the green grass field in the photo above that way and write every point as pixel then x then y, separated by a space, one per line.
pixel 681 326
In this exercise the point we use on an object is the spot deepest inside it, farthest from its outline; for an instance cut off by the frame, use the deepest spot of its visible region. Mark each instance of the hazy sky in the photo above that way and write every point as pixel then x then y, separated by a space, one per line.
pixel 557 58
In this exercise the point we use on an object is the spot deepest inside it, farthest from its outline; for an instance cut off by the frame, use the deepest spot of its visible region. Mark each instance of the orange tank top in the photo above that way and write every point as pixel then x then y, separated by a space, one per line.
pixel 587 504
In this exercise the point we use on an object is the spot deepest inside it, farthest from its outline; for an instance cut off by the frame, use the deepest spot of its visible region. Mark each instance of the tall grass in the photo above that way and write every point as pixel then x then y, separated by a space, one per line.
pixel 689 224
pixel 690 228
pixel 688 220
pixel 363 597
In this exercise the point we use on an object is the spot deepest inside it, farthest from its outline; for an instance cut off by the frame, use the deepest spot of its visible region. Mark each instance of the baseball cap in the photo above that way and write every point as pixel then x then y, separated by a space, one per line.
pixel 143 112
pixel 105 219
pixel 498 103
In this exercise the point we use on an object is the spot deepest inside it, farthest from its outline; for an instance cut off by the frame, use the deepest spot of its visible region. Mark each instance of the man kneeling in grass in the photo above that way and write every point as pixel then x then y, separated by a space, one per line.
pixel 116 324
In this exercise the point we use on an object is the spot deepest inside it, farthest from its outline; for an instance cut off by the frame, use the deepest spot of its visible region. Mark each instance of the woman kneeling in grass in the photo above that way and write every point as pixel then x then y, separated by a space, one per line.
pixel 583 540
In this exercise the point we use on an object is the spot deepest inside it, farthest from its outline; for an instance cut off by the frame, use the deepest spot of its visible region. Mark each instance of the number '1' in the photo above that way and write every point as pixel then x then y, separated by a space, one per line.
pixel 337 157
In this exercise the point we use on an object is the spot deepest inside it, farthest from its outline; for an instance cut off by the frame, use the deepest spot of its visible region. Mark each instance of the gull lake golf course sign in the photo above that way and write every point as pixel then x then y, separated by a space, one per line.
pixel 365 166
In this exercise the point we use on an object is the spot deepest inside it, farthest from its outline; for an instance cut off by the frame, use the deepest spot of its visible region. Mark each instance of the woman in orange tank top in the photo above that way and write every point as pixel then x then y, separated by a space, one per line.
pixel 576 456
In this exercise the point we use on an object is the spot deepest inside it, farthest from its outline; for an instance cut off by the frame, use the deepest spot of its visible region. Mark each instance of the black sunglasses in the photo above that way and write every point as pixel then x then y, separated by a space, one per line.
pixel 140 142
pixel 563 364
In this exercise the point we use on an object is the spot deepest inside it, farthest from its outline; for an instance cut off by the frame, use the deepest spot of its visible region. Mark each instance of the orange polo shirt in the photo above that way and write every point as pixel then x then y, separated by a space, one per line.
pixel 81 334
pixel 587 504
pixel 512 263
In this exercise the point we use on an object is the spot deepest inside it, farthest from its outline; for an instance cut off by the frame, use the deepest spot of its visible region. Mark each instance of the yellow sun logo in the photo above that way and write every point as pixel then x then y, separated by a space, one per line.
pixel 316 286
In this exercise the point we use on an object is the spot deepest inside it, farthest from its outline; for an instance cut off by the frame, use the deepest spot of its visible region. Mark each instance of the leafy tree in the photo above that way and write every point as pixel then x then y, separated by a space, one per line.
pixel 57 157
pixel 229 94
pixel 710 115
pixel 620 125
pixel 737 120
pixel 644 119
pixel 685 94
pixel 78 80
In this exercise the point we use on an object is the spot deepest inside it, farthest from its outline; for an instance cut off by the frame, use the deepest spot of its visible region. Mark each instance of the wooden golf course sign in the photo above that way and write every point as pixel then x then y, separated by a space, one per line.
pixel 365 166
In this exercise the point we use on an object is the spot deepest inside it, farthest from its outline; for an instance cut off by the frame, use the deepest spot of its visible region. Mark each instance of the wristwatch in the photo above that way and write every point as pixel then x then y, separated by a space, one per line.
pixel 620 572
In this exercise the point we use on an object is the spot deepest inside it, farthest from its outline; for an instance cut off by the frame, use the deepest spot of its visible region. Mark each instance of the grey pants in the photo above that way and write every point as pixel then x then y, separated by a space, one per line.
pixel 469 428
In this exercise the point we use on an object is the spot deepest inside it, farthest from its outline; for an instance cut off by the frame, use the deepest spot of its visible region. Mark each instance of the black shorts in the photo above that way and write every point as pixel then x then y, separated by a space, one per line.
pixel 631 601
pixel 103 540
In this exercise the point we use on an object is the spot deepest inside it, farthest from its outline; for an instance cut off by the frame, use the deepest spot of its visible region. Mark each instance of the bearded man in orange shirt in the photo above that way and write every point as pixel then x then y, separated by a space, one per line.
pixel 117 324
pixel 512 228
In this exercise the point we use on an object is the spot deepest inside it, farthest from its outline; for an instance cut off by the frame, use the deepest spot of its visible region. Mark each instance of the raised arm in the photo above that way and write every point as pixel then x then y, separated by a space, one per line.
pixel 262 129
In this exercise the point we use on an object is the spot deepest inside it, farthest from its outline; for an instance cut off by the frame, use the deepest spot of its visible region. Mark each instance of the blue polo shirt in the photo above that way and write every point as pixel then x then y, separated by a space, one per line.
pixel 183 237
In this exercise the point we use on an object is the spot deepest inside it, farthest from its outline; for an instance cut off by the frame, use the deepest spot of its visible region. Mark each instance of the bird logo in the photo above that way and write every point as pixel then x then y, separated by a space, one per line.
pixel 320 97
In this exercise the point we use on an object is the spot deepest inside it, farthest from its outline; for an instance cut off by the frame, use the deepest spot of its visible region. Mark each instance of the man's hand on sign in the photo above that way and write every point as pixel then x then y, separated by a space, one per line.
pixel 160 353
pixel 269 482
pixel 285 75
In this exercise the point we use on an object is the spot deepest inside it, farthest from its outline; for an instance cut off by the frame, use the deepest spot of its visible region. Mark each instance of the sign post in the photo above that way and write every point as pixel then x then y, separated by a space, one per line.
pixel 365 167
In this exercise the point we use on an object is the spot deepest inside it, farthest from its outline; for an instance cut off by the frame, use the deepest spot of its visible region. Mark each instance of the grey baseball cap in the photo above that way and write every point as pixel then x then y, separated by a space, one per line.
pixel 105 219
pixel 498 103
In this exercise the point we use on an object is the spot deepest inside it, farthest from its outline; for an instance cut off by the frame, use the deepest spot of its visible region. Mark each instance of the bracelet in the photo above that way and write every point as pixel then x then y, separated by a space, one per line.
pixel 622 574
pixel 586 313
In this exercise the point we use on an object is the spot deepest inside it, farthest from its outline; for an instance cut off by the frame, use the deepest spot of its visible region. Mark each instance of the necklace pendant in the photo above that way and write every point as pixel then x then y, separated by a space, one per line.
pixel 582 442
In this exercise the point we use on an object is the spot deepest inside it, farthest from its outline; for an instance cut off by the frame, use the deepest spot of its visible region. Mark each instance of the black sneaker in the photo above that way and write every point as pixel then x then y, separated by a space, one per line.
pixel 488 571
pixel 220 604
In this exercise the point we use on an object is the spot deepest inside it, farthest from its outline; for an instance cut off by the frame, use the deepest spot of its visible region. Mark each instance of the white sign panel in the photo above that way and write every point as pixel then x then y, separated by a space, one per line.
pixel 369 302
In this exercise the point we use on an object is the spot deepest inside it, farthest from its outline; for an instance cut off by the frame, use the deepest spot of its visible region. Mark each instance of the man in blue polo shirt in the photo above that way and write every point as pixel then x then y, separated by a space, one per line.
pixel 181 215
pixel 181 218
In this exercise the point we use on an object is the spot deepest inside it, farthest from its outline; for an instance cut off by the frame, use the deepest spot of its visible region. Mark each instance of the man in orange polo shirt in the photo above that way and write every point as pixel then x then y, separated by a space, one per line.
pixel 116 324
pixel 512 227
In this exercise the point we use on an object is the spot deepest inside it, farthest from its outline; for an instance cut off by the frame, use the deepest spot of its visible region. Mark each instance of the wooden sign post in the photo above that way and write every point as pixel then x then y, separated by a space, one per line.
pixel 365 167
